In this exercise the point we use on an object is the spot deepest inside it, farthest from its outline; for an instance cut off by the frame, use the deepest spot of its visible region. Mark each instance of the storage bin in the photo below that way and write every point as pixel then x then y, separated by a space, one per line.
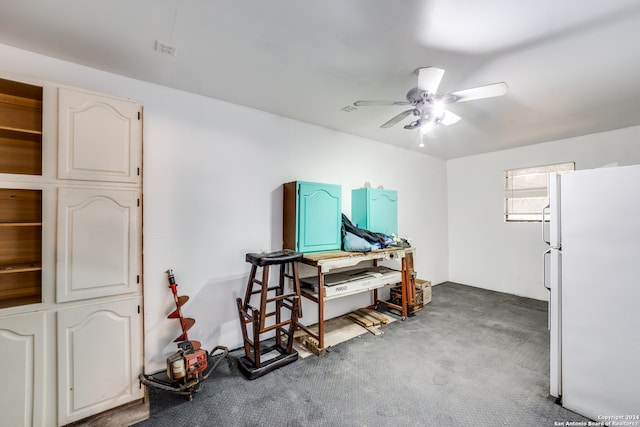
pixel 395 297
pixel 425 286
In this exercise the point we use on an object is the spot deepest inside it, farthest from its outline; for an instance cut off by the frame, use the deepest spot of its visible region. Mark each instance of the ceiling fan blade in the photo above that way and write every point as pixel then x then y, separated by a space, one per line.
pixel 488 91
pixel 429 78
pixel 375 103
pixel 450 118
pixel 397 118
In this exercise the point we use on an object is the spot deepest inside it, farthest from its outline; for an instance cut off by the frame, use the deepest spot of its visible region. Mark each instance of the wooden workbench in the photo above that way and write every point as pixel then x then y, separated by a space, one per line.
pixel 325 262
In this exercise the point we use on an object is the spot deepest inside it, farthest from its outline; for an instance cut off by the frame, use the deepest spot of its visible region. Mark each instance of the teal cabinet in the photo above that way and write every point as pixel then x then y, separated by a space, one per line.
pixel 312 216
pixel 375 210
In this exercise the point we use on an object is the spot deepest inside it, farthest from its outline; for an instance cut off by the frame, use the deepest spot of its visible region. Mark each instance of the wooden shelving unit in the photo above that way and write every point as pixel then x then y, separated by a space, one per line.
pixel 20 128
pixel 20 247
pixel 20 209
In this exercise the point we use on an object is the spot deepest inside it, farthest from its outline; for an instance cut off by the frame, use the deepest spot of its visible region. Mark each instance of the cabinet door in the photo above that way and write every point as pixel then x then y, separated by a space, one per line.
pixel 22 365
pixel 383 211
pixel 375 210
pixel 98 243
pixel 319 217
pixel 99 137
pixel 99 358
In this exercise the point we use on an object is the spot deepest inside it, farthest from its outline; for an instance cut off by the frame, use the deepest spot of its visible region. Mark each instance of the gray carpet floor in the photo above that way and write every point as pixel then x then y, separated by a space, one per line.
pixel 472 357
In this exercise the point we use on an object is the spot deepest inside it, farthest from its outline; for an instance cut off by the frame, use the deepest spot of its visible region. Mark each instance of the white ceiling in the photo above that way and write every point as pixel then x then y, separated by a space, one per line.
pixel 572 66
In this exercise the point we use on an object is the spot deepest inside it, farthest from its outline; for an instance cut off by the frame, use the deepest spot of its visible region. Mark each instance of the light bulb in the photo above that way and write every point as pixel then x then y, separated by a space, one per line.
pixel 438 109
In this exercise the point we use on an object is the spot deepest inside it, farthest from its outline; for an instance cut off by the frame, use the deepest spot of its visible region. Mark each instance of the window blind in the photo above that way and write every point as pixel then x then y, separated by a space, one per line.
pixel 526 192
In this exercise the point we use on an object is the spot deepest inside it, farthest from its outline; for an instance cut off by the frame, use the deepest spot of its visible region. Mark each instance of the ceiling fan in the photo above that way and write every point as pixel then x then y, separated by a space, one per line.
pixel 427 105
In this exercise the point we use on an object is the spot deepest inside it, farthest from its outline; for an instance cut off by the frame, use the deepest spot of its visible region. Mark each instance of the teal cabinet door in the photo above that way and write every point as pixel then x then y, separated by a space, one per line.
pixel 375 210
pixel 315 224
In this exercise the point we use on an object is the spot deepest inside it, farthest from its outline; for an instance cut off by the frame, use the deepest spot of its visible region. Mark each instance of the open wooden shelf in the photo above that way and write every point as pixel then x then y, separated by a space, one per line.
pixel 20 285
pixel 20 247
pixel 19 268
pixel 20 206
pixel 17 301
pixel 20 128
pixel 11 130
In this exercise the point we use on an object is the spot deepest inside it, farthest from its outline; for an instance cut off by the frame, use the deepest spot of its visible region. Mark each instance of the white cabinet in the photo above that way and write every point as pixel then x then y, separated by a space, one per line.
pixel 99 357
pixel 71 330
pixel 22 368
pixel 97 243
pixel 98 254
pixel 98 137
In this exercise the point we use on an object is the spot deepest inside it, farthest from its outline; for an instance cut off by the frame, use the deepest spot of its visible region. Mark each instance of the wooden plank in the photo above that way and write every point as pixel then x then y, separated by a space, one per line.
pixel 374 330
pixel 408 281
pixel 319 256
pixel 19 268
pixel 376 322
pixel 299 333
pixel 289 232
pixel 374 315
pixel 360 319
pixel 312 345
pixel 383 319
pixel 338 330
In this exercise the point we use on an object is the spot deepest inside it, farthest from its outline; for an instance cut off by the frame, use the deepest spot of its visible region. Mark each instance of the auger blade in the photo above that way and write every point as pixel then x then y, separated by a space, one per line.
pixel 188 323
pixel 175 314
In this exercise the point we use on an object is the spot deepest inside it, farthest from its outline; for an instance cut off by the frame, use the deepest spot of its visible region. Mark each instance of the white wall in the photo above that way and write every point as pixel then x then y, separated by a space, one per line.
pixel 487 252
pixel 212 192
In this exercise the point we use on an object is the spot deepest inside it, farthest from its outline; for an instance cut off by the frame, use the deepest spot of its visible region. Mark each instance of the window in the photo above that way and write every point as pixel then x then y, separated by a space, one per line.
pixel 525 191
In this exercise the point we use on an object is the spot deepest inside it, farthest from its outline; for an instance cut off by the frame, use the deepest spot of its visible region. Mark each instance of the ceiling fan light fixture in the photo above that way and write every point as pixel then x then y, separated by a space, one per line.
pixel 428 105
pixel 427 126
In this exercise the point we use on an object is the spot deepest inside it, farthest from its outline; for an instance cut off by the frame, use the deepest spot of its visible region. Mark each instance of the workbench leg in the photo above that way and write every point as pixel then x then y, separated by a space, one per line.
pixel 321 317
pixel 404 288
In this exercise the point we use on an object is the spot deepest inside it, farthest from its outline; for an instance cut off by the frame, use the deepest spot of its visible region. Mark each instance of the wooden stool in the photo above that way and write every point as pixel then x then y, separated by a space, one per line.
pixel 257 360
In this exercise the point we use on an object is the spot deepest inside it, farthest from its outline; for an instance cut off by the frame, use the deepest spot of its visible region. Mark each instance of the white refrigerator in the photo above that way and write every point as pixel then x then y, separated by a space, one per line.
pixel 592 270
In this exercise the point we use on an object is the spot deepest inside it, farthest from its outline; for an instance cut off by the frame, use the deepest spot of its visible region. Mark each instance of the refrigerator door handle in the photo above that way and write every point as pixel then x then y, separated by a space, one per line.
pixel 544 238
pixel 544 268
